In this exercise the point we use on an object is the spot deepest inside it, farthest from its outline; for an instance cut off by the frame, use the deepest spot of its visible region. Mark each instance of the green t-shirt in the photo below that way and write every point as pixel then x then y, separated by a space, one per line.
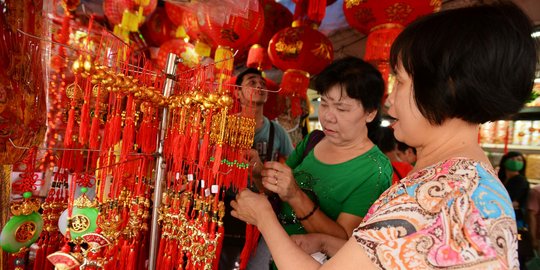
pixel 349 187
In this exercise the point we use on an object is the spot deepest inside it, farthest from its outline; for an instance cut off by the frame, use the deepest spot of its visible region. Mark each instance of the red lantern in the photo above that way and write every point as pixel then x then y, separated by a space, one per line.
pixel 301 48
pixel 258 58
pixel 295 84
pixel 190 24
pixel 184 18
pixel 175 13
pixel 114 9
pixel 277 17
pixel 236 32
pixel 382 21
pixel 184 50
pixel 158 29
pixel 379 42
pixel 367 14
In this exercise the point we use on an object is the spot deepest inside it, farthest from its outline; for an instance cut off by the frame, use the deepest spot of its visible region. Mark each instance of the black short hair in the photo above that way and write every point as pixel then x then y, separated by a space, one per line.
pixel 402 147
pixel 387 142
pixel 475 63
pixel 240 76
pixel 361 81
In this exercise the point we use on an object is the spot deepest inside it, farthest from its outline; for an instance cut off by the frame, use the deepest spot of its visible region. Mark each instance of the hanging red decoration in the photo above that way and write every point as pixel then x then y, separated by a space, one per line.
pixel 158 28
pixel 258 58
pixel 236 32
pixel 182 18
pixel 23 111
pixel 278 16
pixel 190 24
pixel 175 13
pixel 275 103
pixel 295 82
pixel 114 9
pixel 378 46
pixel 301 48
pixel 310 11
pixel 379 42
pixel 184 50
pixel 366 14
pixel 382 21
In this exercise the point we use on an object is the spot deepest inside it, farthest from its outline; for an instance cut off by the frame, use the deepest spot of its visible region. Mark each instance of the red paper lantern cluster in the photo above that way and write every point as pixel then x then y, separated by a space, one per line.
pixel 301 48
pixel 382 21
pixel 367 14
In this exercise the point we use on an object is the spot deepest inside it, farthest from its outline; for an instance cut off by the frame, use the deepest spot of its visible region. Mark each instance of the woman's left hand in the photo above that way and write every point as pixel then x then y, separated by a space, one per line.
pixel 251 207
pixel 279 179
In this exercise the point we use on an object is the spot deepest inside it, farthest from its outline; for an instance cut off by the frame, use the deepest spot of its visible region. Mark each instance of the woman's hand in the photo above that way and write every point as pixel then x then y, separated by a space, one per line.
pixel 279 179
pixel 309 243
pixel 255 161
pixel 251 207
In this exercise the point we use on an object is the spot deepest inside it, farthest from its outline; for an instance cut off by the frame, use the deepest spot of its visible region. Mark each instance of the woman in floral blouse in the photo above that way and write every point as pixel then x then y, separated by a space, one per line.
pixel 454 70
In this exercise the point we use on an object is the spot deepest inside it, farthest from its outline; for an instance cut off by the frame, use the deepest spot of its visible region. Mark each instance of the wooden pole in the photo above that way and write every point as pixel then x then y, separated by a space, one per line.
pixel 5 192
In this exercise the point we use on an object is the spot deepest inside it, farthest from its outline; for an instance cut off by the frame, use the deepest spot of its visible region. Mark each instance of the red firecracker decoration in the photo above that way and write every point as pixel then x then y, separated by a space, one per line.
pixel 158 28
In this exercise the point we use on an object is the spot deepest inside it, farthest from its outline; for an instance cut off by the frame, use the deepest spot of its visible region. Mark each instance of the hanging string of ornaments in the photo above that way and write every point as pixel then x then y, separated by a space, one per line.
pixel 140 152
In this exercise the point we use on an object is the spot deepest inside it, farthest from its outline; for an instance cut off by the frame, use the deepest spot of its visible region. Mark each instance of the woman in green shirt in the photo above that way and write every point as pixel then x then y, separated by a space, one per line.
pixel 330 188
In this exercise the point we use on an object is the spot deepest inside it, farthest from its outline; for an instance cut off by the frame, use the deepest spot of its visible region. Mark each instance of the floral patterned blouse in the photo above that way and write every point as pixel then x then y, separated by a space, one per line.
pixel 455 214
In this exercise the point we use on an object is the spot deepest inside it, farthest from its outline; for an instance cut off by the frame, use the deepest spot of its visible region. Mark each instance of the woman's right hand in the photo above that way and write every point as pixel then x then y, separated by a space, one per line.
pixel 279 179
pixel 251 207
pixel 309 243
